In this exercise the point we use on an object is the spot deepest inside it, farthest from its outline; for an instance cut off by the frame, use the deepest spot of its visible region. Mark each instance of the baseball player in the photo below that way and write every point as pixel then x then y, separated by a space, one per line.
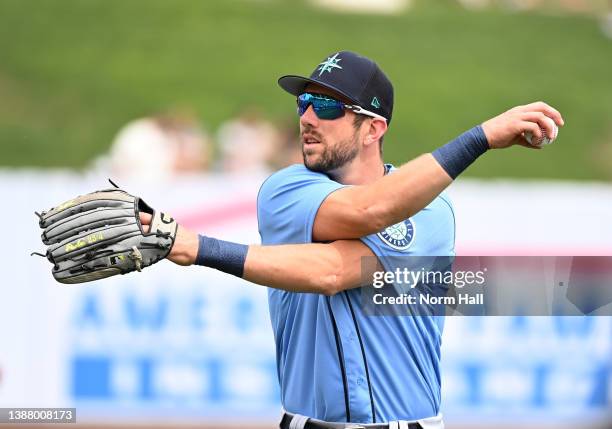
pixel 334 363
pixel 338 367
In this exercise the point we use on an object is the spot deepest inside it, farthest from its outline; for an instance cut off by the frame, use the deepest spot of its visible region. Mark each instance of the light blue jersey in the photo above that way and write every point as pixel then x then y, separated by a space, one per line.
pixel 334 362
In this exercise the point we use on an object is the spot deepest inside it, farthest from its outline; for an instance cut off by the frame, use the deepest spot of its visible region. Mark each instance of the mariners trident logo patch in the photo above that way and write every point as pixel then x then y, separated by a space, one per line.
pixel 330 64
pixel 399 236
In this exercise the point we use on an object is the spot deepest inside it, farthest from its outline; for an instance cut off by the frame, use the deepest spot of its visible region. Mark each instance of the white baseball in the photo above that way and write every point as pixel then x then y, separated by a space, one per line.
pixel 545 138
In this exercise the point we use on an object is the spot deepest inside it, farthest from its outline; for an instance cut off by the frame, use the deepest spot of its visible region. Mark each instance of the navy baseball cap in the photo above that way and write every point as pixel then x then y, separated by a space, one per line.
pixel 354 76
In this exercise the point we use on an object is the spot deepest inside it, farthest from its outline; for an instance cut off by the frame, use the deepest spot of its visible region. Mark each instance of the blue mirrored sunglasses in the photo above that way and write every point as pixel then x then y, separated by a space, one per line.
pixel 329 108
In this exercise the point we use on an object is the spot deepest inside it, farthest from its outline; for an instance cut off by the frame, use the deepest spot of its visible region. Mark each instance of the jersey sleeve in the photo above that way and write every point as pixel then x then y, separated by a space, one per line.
pixel 288 202
pixel 432 234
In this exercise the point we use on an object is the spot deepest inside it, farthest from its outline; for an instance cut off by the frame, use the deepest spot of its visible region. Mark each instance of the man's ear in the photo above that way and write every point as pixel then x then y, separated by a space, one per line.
pixel 374 131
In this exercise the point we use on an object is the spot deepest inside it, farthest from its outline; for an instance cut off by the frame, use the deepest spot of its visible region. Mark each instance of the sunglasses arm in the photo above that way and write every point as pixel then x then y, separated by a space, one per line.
pixel 361 111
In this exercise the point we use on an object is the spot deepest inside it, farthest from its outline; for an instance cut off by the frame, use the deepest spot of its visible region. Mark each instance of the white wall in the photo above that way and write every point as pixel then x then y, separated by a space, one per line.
pixel 172 343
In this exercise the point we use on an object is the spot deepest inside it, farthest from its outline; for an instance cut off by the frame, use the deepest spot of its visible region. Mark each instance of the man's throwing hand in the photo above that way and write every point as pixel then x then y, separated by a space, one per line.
pixel 509 128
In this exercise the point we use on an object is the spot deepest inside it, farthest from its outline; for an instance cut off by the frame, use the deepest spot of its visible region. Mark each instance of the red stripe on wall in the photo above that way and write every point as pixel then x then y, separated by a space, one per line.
pixel 212 216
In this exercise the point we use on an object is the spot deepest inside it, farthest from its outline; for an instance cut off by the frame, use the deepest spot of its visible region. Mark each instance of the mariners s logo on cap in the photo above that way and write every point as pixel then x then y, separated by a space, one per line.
pixel 329 64
pixel 399 236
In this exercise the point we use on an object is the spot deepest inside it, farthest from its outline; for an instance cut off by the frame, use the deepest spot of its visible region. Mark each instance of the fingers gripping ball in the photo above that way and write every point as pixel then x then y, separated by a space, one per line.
pixel 545 139
pixel 99 235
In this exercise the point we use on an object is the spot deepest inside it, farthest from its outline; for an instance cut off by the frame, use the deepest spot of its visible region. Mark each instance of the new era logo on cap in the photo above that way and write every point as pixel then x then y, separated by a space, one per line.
pixel 354 76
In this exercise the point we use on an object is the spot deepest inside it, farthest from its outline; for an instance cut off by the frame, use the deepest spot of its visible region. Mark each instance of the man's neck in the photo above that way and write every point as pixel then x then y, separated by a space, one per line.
pixel 359 172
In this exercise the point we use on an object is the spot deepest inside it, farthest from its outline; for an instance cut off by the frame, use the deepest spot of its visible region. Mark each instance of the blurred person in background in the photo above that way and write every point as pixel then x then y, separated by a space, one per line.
pixel 174 144
pixel 522 5
pixel 289 151
pixel 577 5
pixel 474 4
pixel 365 6
pixel 248 143
pixel 606 22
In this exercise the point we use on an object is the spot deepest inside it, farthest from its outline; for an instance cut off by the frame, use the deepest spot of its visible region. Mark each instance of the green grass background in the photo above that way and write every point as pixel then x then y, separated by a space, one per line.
pixel 72 72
